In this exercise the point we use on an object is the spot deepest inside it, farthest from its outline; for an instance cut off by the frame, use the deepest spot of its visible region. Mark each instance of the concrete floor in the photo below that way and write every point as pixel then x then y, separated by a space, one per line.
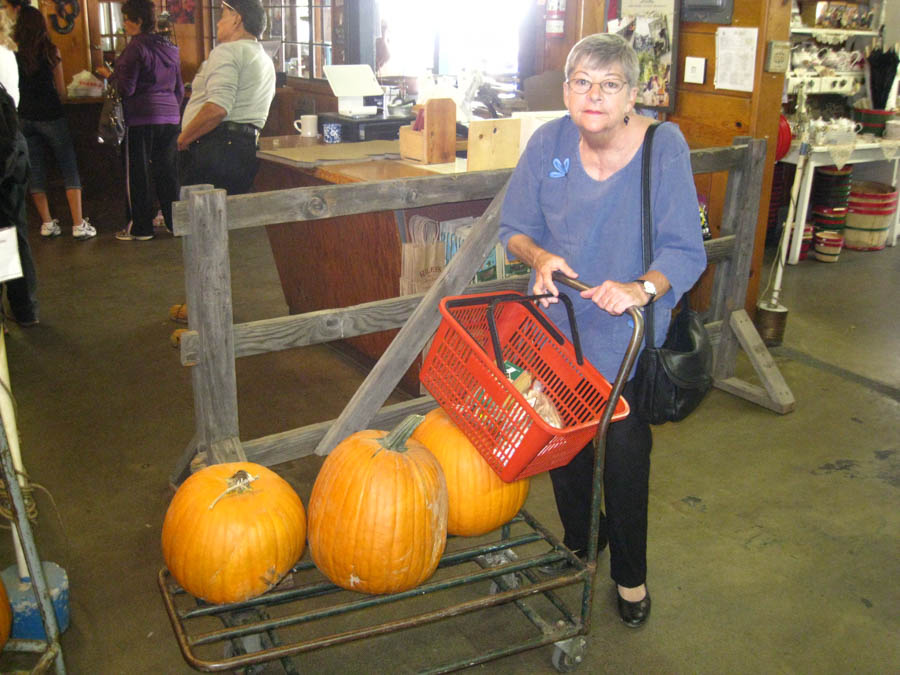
pixel 773 539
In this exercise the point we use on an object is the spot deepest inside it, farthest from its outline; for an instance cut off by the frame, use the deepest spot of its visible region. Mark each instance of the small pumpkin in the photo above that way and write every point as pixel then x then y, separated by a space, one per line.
pixel 232 531
pixel 179 313
pixel 479 500
pixel 6 616
pixel 378 512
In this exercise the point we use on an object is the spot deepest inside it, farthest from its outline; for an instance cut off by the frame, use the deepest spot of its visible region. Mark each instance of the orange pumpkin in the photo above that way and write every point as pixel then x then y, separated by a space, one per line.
pixel 6 616
pixel 378 512
pixel 232 531
pixel 479 500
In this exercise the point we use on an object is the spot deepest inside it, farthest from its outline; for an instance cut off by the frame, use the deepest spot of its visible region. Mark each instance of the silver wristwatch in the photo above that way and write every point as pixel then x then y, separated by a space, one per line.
pixel 649 288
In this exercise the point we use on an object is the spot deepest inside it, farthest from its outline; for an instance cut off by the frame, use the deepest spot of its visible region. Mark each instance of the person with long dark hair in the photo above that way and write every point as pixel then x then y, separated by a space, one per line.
pixel 43 120
pixel 147 75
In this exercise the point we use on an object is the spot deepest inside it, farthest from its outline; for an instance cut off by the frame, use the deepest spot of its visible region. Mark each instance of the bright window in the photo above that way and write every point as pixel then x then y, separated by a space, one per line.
pixel 448 37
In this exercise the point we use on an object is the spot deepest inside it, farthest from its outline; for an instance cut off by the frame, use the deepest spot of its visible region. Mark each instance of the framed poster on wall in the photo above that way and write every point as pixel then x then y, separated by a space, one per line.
pixel 651 27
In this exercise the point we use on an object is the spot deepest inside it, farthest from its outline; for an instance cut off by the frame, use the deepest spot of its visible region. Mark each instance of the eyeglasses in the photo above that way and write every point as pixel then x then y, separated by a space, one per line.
pixel 581 85
pixel 225 5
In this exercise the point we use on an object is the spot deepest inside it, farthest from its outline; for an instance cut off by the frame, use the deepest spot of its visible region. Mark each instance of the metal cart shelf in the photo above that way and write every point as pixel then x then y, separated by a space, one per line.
pixel 285 622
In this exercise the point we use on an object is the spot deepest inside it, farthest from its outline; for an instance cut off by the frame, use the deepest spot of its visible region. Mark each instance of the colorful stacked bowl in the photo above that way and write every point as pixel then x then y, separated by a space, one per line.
pixel 831 187
pixel 829 217
pixel 827 245
pixel 806 243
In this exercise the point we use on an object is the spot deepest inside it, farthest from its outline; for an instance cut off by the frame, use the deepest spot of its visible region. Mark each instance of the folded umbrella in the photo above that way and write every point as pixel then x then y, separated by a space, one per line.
pixel 882 71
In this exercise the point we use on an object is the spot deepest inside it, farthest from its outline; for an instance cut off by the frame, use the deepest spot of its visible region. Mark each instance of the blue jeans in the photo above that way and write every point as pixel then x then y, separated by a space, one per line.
pixel 53 134
pixel 222 159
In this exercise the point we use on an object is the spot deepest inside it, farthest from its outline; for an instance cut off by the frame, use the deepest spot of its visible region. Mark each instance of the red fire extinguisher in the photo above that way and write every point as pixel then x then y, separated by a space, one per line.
pixel 555 18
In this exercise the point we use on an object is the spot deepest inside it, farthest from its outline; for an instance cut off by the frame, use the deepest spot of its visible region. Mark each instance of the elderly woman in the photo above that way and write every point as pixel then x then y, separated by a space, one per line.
pixel 574 206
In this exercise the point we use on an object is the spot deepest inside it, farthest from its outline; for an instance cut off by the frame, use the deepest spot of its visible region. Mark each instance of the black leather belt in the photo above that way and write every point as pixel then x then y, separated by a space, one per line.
pixel 239 128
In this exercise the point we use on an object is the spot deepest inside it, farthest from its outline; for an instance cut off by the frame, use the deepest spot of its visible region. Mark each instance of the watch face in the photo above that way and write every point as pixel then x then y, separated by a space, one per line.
pixel 649 288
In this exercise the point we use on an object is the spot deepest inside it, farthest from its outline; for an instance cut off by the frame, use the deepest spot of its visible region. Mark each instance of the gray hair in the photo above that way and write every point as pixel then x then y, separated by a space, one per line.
pixel 603 49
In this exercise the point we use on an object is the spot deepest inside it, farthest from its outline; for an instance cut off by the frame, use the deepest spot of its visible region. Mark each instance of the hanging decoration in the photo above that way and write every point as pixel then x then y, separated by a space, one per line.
pixel 63 21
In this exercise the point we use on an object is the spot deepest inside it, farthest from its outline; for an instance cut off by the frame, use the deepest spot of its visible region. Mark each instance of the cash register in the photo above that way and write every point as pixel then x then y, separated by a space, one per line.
pixel 361 104
pixel 367 127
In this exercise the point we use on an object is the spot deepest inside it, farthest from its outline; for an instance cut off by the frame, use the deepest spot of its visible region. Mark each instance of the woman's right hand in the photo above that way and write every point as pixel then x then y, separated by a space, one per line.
pixel 103 72
pixel 545 264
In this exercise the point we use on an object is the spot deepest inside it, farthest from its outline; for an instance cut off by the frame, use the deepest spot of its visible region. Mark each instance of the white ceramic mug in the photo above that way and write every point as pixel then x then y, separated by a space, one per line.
pixel 307 125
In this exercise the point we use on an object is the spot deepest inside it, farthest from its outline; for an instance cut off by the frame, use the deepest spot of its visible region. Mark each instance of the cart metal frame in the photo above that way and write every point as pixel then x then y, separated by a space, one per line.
pixel 508 565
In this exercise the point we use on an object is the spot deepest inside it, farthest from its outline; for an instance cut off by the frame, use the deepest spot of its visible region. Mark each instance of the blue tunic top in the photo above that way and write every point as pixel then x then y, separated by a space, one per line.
pixel 596 227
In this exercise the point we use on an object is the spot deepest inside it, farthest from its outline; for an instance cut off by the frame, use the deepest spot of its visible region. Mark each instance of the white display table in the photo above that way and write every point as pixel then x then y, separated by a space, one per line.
pixel 868 149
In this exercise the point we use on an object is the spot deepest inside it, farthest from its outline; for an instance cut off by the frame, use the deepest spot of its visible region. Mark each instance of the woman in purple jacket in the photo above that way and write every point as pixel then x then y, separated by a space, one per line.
pixel 148 77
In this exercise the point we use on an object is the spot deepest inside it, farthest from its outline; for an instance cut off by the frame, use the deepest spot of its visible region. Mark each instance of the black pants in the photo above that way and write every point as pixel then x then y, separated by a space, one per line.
pixel 152 151
pixel 626 486
pixel 21 293
pixel 224 159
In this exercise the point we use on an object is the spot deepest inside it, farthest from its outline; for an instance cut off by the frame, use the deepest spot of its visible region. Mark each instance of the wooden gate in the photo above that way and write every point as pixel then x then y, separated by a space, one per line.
pixel 210 346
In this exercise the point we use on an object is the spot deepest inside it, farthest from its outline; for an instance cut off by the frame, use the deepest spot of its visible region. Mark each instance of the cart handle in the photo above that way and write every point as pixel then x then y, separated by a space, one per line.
pixel 631 352
pixel 527 301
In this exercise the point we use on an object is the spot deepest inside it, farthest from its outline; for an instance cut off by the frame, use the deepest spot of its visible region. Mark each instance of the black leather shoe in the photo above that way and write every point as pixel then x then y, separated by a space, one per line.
pixel 634 614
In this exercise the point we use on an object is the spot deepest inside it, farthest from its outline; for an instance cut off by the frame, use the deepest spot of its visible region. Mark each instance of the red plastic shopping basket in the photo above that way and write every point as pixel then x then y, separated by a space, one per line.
pixel 464 371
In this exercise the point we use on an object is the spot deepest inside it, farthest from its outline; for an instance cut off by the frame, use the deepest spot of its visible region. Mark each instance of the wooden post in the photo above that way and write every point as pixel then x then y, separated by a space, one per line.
pixel 208 287
pixel 731 279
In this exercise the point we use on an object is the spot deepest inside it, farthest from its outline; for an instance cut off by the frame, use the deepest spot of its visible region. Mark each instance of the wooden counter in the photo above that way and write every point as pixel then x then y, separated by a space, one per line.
pixel 338 262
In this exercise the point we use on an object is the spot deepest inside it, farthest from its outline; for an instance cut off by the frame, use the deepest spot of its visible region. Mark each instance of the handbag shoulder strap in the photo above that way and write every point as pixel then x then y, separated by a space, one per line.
pixel 647 222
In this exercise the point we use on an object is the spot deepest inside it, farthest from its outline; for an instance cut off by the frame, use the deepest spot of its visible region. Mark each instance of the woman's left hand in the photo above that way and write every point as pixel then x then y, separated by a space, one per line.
pixel 615 297
pixel 103 72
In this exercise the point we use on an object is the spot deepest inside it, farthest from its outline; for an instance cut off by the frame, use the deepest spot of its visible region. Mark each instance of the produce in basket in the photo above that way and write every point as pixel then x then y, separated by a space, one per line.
pixel 232 531
pixel 378 512
pixel 479 501
pixel 533 391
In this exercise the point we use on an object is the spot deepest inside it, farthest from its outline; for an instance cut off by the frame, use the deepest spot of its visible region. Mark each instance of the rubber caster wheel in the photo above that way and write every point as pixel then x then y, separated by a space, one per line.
pixel 563 662
pixel 567 660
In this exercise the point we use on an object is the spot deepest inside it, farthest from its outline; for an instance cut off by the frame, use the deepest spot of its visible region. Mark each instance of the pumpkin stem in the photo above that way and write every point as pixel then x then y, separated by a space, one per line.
pixel 397 437
pixel 239 482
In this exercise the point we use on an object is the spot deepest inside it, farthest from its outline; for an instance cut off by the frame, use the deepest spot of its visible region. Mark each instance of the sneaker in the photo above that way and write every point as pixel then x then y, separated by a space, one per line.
pixel 51 229
pixel 125 235
pixel 26 320
pixel 84 230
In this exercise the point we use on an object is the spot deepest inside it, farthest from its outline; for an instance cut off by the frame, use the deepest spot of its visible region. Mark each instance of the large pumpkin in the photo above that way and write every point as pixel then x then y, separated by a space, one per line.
pixel 232 531
pixel 479 500
pixel 6 616
pixel 378 512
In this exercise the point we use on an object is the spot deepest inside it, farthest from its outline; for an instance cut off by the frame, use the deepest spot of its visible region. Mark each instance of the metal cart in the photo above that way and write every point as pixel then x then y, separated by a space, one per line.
pixel 490 577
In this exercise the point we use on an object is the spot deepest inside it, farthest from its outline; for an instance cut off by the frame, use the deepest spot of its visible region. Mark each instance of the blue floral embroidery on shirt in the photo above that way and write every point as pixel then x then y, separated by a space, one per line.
pixel 560 168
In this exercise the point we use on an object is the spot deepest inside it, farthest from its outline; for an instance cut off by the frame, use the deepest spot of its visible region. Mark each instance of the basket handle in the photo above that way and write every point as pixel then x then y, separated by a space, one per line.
pixel 527 300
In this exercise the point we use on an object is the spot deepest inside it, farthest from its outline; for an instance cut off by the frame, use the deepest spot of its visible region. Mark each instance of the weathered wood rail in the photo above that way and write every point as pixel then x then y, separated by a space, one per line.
pixel 210 346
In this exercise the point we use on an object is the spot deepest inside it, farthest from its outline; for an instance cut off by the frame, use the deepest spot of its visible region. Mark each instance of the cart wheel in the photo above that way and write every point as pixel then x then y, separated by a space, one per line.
pixel 567 659
pixel 563 662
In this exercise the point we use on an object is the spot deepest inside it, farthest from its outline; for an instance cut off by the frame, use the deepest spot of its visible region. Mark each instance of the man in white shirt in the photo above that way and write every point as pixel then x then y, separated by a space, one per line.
pixel 229 104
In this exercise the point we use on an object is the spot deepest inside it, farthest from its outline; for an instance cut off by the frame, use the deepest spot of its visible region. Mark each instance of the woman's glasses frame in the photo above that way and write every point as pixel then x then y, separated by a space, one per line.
pixel 610 86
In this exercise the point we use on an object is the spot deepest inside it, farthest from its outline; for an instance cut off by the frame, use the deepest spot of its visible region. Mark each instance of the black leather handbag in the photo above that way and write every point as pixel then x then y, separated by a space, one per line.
pixel 671 380
pixel 111 127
